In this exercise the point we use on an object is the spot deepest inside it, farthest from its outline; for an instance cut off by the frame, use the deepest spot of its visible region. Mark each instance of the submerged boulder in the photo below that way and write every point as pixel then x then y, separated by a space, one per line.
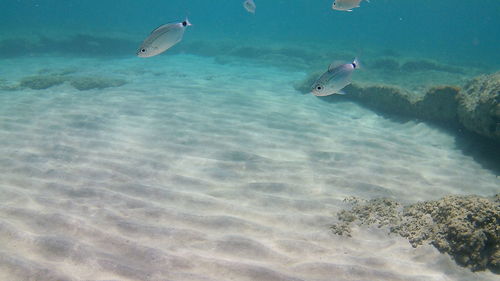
pixel 439 104
pixel 479 106
pixel 40 82
pixel 465 227
pixel 388 99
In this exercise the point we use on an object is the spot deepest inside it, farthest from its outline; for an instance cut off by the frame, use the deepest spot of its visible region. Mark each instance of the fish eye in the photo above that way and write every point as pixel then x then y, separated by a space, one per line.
pixel 319 88
pixel 143 50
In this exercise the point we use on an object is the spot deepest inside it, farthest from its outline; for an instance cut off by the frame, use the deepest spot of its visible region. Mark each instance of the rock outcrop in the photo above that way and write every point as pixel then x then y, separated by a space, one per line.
pixel 476 107
pixel 479 106
pixel 465 227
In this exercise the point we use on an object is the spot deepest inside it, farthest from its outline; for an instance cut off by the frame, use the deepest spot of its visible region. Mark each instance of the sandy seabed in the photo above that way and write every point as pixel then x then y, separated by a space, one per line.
pixel 195 170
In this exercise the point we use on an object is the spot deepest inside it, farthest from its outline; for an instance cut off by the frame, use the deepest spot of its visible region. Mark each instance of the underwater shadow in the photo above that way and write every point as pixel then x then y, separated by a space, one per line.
pixel 398 118
pixel 484 151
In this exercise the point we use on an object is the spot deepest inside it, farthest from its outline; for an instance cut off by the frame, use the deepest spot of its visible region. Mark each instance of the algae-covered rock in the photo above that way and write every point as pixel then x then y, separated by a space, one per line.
pixel 439 104
pixel 465 227
pixel 6 86
pixel 476 107
pixel 40 82
pixel 479 106
pixel 381 211
pixel 387 99
pixel 89 83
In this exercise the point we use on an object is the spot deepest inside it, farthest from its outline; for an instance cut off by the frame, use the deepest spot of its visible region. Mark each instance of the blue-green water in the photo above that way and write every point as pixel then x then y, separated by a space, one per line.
pixel 209 161
pixel 455 30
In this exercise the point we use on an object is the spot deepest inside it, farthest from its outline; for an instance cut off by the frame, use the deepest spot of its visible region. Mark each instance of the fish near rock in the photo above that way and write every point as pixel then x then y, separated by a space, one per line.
pixel 162 39
pixel 337 77
pixel 346 5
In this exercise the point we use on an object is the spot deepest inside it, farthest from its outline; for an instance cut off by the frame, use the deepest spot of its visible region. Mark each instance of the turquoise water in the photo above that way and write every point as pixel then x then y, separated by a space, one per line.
pixel 207 162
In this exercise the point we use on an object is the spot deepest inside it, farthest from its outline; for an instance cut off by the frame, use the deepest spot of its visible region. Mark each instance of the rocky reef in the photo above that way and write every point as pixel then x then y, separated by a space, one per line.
pixel 475 107
pixel 479 106
pixel 78 44
pixel 40 82
pixel 465 227
pixel 45 81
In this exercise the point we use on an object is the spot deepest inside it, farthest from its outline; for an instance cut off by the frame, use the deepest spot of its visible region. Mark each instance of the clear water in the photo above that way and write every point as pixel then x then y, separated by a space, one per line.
pixel 205 163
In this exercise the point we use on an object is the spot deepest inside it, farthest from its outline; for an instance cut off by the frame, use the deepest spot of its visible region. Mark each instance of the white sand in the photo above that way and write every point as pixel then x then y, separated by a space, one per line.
pixel 200 171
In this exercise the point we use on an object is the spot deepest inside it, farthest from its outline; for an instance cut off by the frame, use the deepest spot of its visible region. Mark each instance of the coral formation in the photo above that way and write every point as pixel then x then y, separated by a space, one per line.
pixel 40 82
pixel 465 227
pixel 89 83
pixel 479 105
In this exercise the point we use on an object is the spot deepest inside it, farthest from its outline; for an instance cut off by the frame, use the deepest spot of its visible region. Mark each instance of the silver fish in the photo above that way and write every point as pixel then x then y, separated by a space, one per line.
pixel 162 39
pixel 334 79
pixel 250 6
pixel 346 5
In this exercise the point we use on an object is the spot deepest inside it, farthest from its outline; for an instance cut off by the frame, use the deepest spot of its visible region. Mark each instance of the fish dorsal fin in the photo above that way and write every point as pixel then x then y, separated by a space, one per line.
pixel 335 64
pixel 163 26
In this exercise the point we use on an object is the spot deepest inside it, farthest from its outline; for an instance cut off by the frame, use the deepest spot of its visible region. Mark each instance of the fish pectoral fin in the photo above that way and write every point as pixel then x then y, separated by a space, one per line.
pixel 340 92
pixel 349 10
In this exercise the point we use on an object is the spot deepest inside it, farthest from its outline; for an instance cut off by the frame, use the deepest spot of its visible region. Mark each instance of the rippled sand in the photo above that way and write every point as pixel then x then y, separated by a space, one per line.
pixel 200 171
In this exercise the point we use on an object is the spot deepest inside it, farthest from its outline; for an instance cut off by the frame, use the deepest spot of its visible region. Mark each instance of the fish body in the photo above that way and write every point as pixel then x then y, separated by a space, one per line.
pixel 346 5
pixel 250 6
pixel 162 39
pixel 334 79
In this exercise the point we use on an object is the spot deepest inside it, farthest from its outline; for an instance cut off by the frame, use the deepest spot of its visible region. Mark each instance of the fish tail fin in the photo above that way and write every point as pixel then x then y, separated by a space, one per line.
pixel 356 63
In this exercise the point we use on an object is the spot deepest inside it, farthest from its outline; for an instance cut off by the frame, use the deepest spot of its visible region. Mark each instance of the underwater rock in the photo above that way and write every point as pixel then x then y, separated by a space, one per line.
pixel 79 44
pixel 465 227
pixel 6 86
pixel 439 105
pixel 479 105
pixel 41 82
pixel 447 105
pixel 89 83
pixel 388 99
pixel 381 211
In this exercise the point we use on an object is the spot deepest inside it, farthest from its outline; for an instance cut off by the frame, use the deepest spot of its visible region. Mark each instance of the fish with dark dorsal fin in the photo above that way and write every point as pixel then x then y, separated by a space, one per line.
pixel 337 77
pixel 250 6
pixel 162 39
